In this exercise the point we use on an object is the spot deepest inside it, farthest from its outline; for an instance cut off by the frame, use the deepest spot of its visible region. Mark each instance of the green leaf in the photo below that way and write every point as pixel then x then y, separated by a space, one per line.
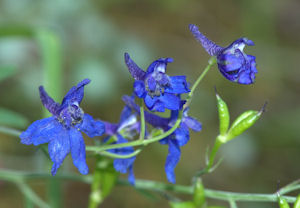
pixel 13 119
pixel 7 71
pixel 186 204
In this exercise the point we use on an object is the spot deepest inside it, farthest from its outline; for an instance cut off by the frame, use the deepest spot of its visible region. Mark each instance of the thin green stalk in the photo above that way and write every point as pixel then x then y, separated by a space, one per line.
pixel 142 115
pixel 112 155
pixel 211 62
pixel 29 193
pixel 96 197
pixel 295 185
pixel 12 176
pixel 209 193
pixel 213 153
pixel 10 131
pixel 232 203
pixel 209 165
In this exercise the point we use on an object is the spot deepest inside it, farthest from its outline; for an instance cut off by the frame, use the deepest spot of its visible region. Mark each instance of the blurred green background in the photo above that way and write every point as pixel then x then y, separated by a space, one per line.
pixel 94 36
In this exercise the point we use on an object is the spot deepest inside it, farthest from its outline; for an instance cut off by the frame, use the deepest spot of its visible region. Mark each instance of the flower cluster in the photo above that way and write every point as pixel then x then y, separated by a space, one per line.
pixel 159 91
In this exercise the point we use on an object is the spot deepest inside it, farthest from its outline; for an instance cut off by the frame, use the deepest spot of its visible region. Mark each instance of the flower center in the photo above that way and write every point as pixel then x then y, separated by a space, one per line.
pixel 71 115
pixel 156 83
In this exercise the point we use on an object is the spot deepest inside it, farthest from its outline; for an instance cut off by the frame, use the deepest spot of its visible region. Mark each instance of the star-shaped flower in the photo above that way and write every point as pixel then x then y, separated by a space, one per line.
pixel 128 127
pixel 177 139
pixel 62 129
pixel 158 90
pixel 233 63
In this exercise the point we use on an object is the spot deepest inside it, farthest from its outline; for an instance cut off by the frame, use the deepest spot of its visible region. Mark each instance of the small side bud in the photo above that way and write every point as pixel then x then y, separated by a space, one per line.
pixel 224 116
pixel 297 202
pixel 282 202
pixel 244 122
pixel 199 197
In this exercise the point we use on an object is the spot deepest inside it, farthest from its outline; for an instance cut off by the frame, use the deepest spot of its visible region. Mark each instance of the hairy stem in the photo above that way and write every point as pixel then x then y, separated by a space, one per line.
pixel 12 176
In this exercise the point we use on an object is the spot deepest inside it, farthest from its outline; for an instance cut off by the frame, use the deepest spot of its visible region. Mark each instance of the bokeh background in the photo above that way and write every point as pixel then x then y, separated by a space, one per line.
pixel 94 36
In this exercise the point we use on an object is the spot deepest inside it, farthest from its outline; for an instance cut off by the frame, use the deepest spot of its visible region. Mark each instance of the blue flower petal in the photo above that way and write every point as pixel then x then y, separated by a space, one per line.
pixel 158 106
pixel 230 62
pixel 131 177
pixel 245 78
pixel 58 149
pixel 122 165
pixel 91 127
pixel 171 101
pixel 75 94
pixel 178 85
pixel 41 131
pixel 210 47
pixel 159 65
pixel 126 112
pixel 139 88
pixel 172 160
pixel 110 128
pixel 182 135
pixel 136 72
pixel 151 83
pixel 150 101
pixel 192 123
pixel 48 102
pixel 78 151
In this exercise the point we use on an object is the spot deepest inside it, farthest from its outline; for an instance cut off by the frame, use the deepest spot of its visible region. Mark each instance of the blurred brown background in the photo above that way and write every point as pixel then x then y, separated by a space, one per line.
pixel 94 36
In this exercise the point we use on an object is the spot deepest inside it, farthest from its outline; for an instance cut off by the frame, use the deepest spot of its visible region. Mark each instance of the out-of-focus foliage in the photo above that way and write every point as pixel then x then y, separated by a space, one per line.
pixel 94 36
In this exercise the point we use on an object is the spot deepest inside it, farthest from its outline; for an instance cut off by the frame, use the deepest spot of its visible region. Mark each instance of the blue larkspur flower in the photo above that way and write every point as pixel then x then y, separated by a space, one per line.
pixel 62 129
pixel 158 90
pixel 128 127
pixel 233 63
pixel 177 139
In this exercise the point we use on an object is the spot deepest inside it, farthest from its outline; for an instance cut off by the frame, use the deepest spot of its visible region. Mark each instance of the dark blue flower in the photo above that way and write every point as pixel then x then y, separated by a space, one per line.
pixel 177 139
pixel 62 129
pixel 158 90
pixel 233 63
pixel 128 127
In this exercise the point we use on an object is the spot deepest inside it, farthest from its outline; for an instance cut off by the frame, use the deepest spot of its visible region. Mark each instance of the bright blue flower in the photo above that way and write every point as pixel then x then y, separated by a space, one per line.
pixel 177 139
pixel 128 127
pixel 233 63
pixel 158 90
pixel 62 129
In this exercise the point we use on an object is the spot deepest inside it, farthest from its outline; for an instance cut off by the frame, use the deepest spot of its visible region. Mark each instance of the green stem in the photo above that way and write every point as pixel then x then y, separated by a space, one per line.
pixel 27 191
pixel 142 115
pixel 211 159
pixel 10 131
pixel 213 153
pixel 211 62
pixel 13 176
pixel 209 193
pixel 96 194
pixel 112 155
